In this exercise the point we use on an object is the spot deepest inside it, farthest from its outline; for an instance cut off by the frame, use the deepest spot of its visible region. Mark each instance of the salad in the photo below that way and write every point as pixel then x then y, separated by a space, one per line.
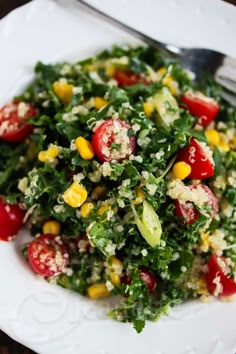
pixel 125 174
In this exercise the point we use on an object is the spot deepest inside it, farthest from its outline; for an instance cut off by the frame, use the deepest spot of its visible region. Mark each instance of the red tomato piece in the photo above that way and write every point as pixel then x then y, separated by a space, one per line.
pixel 13 125
pixel 11 220
pixel 113 140
pixel 48 255
pixel 148 278
pixel 198 156
pixel 189 212
pixel 204 107
pixel 212 201
pixel 218 281
pixel 186 211
pixel 128 78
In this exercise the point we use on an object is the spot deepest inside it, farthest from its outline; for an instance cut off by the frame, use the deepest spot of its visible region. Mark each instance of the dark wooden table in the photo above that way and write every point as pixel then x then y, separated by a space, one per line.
pixel 7 345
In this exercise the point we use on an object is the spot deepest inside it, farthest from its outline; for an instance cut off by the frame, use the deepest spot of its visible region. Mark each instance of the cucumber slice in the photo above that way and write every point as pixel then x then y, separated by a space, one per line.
pixel 149 225
pixel 166 106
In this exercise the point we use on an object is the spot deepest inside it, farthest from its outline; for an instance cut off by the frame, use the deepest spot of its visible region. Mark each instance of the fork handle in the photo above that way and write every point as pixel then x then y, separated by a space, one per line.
pixel 168 49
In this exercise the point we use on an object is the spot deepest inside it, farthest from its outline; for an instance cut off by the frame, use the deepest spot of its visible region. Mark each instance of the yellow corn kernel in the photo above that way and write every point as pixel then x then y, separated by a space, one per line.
pixel 171 84
pixel 53 151
pixel 103 209
pixel 110 70
pixel 213 137
pixel 99 192
pixel 86 209
pixel 43 156
pixel 116 268
pixel 48 155
pixel 115 278
pixel 63 90
pixel 140 195
pixel 52 227
pixel 234 141
pixel 31 151
pixel 75 195
pixel 99 102
pixel 160 73
pixel 116 263
pixel 84 148
pixel 223 146
pixel 205 242
pixel 181 170
pixel 202 286
pixel 148 108
pixel 98 291
pixel 89 67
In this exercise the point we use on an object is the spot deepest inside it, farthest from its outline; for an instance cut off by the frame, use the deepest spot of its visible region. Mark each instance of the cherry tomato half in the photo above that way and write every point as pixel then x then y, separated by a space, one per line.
pixel 205 108
pixel 216 276
pixel 189 212
pixel 196 155
pixel 11 220
pixel 113 140
pixel 128 78
pixel 47 255
pixel 13 125
pixel 148 278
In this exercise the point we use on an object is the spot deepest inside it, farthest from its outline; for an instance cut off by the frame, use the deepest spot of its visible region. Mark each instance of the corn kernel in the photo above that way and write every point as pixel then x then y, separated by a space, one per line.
pixel 171 84
pixel 234 141
pixel 89 67
pixel 110 70
pixel 167 80
pixel 48 155
pixel 205 238
pixel 99 102
pixel 148 108
pixel 115 278
pixel 223 146
pixel 160 73
pixel 99 192
pixel 86 209
pixel 213 137
pixel 84 148
pixel 103 209
pixel 75 195
pixel 181 170
pixel 43 156
pixel 202 286
pixel 31 151
pixel 52 227
pixel 116 263
pixel 116 268
pixel 53 151
pixel 140 195
pixel 98 291
pixel 63 90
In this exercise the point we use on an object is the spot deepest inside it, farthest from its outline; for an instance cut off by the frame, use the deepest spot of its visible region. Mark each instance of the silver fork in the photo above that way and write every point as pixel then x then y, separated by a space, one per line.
pixel 198 60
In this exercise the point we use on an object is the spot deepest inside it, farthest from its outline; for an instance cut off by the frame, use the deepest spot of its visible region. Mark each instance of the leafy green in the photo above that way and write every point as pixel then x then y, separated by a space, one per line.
pixel 139 231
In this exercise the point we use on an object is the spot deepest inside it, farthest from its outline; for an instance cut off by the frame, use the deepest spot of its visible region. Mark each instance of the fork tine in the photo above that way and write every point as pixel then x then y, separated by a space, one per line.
pixel 226 74
pixel 227 83
pixel 229 61
pixel 229 97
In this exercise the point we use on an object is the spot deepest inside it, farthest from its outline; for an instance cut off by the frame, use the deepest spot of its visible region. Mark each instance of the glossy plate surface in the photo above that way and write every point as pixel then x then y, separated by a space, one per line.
pixel 46 318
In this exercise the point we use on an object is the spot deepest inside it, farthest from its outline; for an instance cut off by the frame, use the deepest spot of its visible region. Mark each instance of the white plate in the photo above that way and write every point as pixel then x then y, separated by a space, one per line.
pixel 51 320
